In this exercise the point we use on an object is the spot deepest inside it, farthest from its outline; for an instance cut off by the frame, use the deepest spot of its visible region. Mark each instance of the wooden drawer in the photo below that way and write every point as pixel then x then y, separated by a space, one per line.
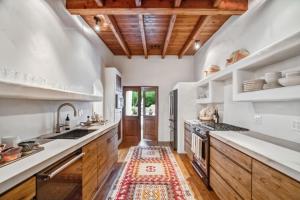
pixel 269 184
pixel 240 158
pixel 24 191
pixel 237 177
pixel 221 188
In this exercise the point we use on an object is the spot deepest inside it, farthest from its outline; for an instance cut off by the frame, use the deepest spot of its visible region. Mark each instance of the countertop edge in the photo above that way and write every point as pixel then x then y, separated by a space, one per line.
pixel 294 174
pixel 23 175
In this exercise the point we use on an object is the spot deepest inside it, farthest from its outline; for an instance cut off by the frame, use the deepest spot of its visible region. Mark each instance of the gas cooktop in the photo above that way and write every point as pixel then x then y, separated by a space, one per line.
pixel 221 127
pixel 204 127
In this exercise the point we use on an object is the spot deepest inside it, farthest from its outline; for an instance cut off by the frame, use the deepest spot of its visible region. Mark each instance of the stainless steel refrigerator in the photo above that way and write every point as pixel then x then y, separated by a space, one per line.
pixel 173 118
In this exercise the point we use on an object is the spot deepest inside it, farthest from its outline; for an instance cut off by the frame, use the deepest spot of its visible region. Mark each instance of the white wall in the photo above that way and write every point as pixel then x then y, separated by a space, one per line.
pixel 265 23
pixel 154 71
pixel 41 38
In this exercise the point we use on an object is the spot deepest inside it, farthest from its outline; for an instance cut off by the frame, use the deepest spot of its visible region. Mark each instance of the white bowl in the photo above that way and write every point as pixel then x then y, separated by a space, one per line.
pixel 272 77
pixel 290 81
pixel 292 74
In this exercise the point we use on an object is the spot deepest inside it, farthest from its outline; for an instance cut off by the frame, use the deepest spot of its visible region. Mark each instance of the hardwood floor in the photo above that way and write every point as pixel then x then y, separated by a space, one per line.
pixel 193 180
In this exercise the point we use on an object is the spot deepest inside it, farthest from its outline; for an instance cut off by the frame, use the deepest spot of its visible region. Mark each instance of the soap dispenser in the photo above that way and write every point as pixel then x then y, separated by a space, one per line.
pixel 67 123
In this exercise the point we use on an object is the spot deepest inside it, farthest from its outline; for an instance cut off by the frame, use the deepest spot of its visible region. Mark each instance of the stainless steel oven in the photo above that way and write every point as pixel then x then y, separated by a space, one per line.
pixel 62 180
pixel 201 162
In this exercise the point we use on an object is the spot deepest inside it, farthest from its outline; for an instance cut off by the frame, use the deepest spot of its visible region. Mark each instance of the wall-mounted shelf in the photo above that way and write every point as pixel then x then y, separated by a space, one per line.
pixel 271 54
pixel 277 94
pixel 214 93
pixel 23 91
pixel 251 67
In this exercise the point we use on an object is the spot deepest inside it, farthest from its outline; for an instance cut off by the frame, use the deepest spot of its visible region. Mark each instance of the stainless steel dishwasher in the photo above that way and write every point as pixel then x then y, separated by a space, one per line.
pixel 62 180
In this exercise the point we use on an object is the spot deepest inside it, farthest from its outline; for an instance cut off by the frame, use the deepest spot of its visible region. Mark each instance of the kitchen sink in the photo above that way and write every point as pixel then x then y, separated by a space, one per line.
pixel 74 134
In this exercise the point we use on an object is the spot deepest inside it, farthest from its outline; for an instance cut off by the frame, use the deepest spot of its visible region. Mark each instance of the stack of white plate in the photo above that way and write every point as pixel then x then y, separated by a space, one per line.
pixel 253 85
pixel 272 80
pixel 291 78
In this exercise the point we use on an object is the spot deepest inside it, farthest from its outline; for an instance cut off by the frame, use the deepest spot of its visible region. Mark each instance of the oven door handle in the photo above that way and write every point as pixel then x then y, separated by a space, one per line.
pixel 47 176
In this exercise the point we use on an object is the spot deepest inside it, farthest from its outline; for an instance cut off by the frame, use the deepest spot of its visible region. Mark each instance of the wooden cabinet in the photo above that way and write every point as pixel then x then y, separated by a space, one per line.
pixel 89 171
pixel 234 175
pixel 242 159
pixel 269 184
pixel 221 188
pixel 188 140
pixel 107 155
pixel 99 159
pixel 24 191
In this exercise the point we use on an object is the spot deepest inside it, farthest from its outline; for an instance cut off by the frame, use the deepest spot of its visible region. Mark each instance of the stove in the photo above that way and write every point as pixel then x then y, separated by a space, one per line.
pixel 201 163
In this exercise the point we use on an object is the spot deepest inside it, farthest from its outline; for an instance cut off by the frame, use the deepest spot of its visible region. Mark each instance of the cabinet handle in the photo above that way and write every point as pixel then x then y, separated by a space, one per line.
pixel 61 168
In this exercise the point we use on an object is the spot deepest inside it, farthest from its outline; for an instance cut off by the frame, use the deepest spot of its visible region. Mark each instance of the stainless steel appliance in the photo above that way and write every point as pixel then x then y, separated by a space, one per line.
pixel 173 118
pixel 201 164
pixel 62 180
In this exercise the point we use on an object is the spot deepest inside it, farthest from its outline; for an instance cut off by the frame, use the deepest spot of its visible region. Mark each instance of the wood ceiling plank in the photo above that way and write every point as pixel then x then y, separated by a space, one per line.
pixel 143 35
pixel 193 36
pixel 110 20
pixel 154 11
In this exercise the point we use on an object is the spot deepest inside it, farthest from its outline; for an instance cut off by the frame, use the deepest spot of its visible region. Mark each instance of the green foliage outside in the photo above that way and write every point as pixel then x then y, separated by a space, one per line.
pixel 149 98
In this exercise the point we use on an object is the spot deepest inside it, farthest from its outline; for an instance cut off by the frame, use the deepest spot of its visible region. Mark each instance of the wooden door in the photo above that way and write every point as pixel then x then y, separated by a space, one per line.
pixel 132 114
pixel 150 113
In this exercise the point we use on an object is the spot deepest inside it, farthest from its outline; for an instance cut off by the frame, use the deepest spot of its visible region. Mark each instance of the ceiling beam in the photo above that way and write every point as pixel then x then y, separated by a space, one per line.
pixel 138 3
pixel 143 35
pixel 154 11
pixel 110 20
pixel 168 36
pixel 217 3
pixel 193 36
pixel 170 29
pixel 99 3
pixel 177 3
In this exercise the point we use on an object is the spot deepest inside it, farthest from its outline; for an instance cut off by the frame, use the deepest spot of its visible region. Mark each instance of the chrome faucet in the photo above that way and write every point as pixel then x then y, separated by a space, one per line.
pixel 58 115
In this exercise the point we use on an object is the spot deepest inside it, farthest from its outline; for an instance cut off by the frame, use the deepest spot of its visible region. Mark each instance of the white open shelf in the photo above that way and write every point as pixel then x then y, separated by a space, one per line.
pixel 277 94
pixel 23 91
pixel 247 68
pixel 215 93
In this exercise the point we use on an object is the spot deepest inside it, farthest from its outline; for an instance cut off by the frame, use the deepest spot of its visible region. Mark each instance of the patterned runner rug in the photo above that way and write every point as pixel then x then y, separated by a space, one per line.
pixel 150 173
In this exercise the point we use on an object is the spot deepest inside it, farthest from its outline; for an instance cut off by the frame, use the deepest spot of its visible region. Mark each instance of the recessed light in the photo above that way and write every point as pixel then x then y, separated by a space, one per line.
pixel 197 44
pixel 97 27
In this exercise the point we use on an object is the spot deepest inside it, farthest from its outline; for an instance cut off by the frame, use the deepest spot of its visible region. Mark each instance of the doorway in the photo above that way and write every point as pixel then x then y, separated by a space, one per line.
pixel 140 114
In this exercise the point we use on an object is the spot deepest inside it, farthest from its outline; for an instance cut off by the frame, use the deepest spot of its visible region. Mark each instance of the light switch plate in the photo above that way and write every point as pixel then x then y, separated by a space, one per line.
pixel 258 119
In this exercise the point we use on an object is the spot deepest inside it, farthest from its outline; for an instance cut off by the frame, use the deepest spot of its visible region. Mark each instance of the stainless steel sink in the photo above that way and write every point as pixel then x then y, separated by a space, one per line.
pixel 74 134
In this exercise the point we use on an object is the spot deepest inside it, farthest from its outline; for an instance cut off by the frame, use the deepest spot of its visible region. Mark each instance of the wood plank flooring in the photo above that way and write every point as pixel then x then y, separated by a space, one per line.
pixel 193 180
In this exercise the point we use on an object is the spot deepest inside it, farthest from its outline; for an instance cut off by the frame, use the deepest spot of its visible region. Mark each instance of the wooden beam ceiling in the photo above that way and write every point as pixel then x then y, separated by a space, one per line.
pixel 170 30
pixel 153 11
pixel 110 20
pixel 156 27
pixel 190 41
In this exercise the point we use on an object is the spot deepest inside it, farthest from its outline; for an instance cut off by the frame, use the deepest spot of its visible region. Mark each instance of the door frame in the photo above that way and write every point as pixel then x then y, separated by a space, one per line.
pixel 140 89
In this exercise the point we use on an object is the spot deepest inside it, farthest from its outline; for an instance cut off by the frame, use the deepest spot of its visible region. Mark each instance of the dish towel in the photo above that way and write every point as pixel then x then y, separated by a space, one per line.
pixel 196 146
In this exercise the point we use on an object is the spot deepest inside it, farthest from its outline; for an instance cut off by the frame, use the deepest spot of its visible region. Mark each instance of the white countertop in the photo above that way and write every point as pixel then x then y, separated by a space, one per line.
pixel 282 159
pixel 55 150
